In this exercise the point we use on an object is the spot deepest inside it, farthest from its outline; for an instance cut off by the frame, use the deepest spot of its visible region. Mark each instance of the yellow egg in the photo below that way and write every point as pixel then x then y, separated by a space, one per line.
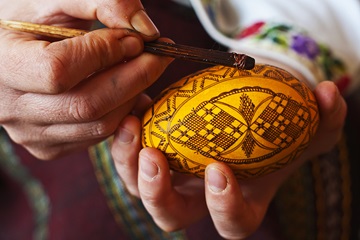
pixel 256 121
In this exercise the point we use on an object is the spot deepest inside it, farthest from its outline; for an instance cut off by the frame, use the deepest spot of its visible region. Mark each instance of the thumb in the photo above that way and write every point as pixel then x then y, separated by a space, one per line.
pixel 114 14
pixel 56 67
pixel 234 216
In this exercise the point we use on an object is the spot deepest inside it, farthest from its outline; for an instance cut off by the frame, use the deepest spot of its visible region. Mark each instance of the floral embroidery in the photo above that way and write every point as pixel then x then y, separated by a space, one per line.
pixel 290 38
pixel 305 46
pixel 253 29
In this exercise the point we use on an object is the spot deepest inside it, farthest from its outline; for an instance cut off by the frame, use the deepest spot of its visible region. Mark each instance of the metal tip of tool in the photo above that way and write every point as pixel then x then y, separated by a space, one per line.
pixel 243 62
pixel 249 63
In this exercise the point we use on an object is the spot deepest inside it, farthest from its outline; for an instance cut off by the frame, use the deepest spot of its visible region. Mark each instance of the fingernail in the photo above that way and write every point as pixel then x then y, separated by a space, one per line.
pixel 143 24
pixel 125 136
pixel 216 179
pixel 148 169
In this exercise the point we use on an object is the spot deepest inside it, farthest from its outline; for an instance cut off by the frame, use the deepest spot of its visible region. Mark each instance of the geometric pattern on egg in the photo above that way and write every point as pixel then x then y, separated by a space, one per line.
pixel 256 121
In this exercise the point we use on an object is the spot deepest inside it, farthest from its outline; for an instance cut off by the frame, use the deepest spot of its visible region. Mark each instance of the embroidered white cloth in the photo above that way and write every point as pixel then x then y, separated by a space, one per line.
pixel 333 23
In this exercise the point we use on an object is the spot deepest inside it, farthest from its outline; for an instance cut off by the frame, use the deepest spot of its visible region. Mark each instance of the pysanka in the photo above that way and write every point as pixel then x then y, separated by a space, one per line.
pixel 257 121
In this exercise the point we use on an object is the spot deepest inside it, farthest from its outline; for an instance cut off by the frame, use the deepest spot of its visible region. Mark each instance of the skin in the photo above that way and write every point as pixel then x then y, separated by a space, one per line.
pixel 236 207
pixel 51 102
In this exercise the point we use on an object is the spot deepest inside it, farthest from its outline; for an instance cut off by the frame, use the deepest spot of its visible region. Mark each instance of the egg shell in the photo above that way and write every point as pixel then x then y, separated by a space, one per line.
pixel 256 121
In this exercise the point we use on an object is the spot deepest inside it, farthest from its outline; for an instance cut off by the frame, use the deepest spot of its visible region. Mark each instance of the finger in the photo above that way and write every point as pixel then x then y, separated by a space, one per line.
pixel 119 84
pixel 53 134
pixel 141 105
pixel 125 151
pixel 40 66
pixel 113 13
pixel 233 217
pixel 51 141
pixel 51 152
pixel 331 104
pixel 169 208
pixel 333 109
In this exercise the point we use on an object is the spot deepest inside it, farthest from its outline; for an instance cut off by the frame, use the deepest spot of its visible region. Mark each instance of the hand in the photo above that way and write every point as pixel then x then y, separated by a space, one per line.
pixel 58 96
pixel 237 207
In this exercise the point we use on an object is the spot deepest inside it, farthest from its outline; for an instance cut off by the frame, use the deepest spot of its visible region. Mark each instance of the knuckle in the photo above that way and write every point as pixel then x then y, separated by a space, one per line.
pixel 34 148
pixel 102 129
pixel 10 105
pixel 5 117
pixel 83 109
pixel 151 200
pixel 53 72
pixel 17 138
pixel 43 154
pixel 17 135
pixel 123 162
pixel 99 46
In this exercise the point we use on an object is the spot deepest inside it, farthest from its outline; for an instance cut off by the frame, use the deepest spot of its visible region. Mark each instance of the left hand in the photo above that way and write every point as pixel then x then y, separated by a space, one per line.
pixel 237 207
pixel 62 96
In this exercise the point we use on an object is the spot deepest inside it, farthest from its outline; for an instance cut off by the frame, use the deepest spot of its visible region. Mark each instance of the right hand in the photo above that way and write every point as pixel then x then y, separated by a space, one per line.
pixel 237 207
pixel 64 95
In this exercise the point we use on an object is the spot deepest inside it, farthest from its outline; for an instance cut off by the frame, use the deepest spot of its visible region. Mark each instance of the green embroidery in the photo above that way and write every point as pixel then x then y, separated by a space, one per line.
pixel 288 38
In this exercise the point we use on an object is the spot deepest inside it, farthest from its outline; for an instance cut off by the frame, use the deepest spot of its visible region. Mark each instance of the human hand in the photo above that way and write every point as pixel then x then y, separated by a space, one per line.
pixel 237 207
pixel 57 96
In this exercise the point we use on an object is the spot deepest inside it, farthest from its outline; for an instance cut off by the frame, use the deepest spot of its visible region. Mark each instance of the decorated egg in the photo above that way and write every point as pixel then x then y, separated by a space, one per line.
pixel 256 121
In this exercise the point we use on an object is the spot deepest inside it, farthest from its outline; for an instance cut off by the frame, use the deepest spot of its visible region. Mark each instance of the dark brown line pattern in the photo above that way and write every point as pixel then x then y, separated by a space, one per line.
pixel 257 121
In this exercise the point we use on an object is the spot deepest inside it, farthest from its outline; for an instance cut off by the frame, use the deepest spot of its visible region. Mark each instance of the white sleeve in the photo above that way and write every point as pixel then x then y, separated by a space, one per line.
pixel 331 22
